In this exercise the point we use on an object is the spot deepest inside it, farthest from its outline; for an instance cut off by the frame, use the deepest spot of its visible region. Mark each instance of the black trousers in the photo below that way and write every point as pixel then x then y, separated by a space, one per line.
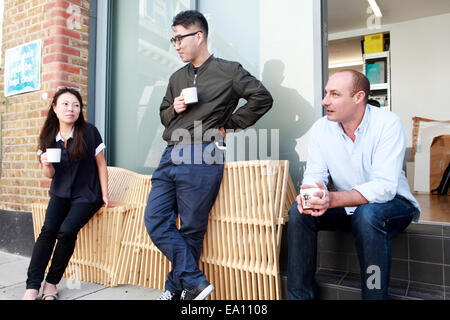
pixel 63 221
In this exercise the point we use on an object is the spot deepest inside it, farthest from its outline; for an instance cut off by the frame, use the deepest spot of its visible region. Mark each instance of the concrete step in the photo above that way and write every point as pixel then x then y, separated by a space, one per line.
pixel 337 285
pixel 420 264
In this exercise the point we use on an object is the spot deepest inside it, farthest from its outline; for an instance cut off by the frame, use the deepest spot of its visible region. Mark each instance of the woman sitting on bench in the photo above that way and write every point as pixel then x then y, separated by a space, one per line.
pixel 78 190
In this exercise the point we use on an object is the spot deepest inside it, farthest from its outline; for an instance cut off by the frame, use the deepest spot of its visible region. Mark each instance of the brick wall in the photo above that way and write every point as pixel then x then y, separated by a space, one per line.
pixel 63 27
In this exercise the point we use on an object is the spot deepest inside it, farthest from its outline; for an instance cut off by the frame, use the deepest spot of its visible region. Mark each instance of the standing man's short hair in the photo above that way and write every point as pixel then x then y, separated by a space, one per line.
pixel 189 18
pixel 360 83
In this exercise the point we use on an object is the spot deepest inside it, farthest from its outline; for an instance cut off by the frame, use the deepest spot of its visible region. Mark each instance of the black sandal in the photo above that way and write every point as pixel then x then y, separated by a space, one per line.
pixel 50 296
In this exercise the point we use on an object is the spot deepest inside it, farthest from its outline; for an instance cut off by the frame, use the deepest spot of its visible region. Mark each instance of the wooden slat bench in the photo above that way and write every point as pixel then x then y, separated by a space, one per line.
pixel 241 246
pixel 99 241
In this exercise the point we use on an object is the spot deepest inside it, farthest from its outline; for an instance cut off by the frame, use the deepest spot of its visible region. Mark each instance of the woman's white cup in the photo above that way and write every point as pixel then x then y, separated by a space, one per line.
pixel 190 95
pixel 53 155
pixel 311 193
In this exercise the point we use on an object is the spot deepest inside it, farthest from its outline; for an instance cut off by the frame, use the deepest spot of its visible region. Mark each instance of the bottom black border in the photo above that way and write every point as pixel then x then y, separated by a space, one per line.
pixel 266 310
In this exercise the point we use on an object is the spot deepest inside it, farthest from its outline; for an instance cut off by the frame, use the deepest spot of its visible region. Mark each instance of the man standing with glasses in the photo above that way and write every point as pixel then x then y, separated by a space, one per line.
pixel 189 189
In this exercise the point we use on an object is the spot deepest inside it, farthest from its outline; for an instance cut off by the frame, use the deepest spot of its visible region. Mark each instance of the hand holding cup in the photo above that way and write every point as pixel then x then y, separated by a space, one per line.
pixel 308 194
pixel 179 105
pixel 313 200
pixel 51 155
pixel 186 97
pixel 44 160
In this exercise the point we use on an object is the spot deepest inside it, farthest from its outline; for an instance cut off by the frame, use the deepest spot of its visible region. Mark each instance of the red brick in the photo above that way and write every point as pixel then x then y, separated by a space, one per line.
pixel 55 58
pixel 55 22
pixel 63 13
pixel 60 4
pixel 56 84
pixel 76 2
pixel 56 40
pixel 49 6
pixel 64 31
pixel 64 49
pixel 71 69
pixel 51 76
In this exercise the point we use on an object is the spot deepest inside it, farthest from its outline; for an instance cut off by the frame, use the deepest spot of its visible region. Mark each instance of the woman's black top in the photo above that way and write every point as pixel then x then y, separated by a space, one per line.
pixel 78 181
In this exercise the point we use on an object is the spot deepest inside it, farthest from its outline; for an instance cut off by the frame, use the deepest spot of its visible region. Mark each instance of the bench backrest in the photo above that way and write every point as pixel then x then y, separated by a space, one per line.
pixel 126 186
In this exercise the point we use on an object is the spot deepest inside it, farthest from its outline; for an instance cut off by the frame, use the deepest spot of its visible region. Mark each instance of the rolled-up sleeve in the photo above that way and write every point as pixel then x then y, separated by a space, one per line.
pixel 316 166
pixel 98 142
pixel 387 164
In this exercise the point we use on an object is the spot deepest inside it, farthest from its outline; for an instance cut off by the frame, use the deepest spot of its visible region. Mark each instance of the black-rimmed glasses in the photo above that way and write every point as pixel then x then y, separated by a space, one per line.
pixel 177 39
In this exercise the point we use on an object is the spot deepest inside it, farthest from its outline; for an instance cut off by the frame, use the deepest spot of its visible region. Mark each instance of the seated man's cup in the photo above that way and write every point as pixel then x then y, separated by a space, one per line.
pixel 53 155
pixel 190 95
pixel 311 193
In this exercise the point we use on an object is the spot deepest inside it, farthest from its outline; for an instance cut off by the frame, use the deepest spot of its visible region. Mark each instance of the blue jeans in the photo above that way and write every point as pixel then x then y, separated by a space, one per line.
pixel 372 226
pixel 187 190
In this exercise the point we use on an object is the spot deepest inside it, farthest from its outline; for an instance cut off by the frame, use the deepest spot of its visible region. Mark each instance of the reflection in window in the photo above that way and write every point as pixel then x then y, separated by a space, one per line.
pixel 142 61
pixel 237 33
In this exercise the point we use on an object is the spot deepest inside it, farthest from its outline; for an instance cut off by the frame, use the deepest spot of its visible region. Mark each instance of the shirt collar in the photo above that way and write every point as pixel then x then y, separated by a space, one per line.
pixel 204 64
pixel 59 137
pixel 365 120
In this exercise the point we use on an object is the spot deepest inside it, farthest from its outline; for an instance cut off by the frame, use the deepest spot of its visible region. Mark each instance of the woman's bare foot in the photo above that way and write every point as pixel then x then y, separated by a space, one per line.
pixel 49 289
pixel 30 294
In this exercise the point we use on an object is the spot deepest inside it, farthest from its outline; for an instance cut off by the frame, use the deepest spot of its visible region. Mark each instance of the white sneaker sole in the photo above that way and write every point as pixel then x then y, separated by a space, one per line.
pixel 205 293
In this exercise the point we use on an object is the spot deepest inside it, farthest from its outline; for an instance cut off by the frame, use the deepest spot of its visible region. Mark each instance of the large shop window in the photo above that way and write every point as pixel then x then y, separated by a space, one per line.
pixel 142 60
pixel 267 38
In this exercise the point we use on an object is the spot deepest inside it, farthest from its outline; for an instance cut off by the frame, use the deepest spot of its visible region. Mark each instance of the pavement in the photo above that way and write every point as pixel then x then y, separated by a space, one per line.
pixel 13 274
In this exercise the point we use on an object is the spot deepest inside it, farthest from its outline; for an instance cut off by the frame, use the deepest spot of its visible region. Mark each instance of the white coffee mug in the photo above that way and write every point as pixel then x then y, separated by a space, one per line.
pixel 190 95
pixel 53 155
pixel 310 193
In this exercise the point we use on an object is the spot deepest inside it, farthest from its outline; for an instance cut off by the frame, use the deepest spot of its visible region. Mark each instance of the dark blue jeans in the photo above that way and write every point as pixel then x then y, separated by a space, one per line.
pixel 63 221
pixel 372 226
pixel 187 190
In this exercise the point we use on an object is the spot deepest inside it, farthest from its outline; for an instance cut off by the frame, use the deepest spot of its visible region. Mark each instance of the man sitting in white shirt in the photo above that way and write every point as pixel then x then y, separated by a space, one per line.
pixel 361 148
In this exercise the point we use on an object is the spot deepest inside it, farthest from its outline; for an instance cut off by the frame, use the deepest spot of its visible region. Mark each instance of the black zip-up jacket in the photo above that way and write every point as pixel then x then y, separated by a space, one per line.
pixel 220 84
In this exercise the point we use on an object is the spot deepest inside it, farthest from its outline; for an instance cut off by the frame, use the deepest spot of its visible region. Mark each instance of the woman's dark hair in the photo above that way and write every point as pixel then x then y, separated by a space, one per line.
pixel 191 17
pixel 51 128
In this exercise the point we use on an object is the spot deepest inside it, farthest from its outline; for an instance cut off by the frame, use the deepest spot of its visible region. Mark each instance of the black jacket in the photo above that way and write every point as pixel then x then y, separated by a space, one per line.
pixel 220 84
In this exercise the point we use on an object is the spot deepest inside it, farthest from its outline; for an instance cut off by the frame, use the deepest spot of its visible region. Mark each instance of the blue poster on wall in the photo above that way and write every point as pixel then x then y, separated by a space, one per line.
pixel 23 68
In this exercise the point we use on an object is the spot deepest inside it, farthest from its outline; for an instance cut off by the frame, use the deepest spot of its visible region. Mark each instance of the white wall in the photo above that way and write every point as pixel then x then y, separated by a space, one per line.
pixel 295 42
pixel 291 32
pixel 420 68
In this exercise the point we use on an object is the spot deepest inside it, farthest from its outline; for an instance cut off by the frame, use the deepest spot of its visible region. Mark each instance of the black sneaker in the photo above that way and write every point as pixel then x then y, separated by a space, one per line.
pixel 200 292
pixel 167 295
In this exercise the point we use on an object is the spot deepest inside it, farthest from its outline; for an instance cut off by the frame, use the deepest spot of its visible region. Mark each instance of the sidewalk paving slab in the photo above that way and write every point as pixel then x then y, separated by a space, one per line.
pixel 13 275
pixel 123 292
pixel 13 270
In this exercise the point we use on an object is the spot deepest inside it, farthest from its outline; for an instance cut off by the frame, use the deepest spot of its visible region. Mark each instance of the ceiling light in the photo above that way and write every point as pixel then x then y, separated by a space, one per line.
pixel 376 9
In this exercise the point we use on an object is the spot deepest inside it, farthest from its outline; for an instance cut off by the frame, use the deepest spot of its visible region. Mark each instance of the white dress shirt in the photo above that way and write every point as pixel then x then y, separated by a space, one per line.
pixel 372 164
